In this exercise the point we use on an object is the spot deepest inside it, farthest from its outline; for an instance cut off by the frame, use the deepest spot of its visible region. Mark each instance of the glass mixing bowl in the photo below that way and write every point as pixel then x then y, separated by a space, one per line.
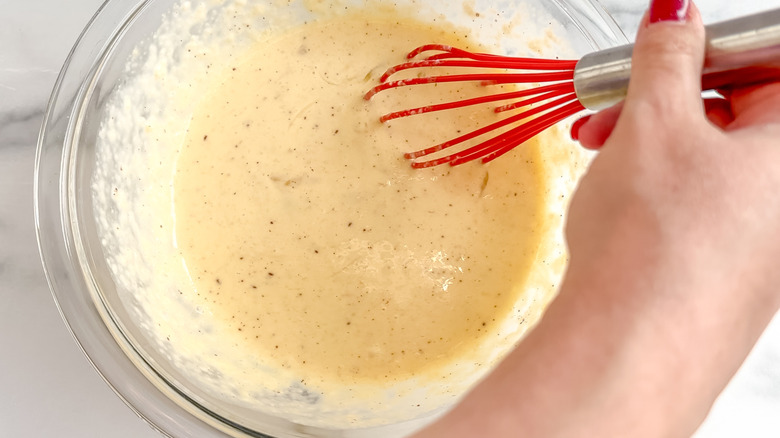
pixel 70 245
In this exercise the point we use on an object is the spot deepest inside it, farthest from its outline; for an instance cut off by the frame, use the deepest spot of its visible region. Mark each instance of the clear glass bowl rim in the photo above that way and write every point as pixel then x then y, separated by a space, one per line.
pixel 163 410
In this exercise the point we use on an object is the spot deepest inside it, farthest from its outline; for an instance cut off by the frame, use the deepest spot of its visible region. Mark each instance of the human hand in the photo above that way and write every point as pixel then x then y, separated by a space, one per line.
pixel 674 235
pixel 679 212
pixel 692 182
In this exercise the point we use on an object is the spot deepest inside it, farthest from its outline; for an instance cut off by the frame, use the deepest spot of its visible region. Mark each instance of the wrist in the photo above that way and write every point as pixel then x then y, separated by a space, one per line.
pixel 681 324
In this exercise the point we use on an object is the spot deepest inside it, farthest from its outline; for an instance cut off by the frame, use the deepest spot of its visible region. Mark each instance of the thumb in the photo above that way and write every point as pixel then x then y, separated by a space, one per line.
pixel 667 60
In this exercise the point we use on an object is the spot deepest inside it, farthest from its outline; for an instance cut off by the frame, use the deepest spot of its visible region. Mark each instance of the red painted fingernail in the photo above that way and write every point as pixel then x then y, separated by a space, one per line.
pixel 575 127
pixel 668 10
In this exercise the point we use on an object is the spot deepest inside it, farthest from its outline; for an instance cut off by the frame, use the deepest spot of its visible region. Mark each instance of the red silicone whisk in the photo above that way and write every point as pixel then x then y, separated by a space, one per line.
pixel 739 52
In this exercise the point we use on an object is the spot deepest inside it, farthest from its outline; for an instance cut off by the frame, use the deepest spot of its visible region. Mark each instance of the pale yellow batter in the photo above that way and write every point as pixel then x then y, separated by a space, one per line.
pixel 305 230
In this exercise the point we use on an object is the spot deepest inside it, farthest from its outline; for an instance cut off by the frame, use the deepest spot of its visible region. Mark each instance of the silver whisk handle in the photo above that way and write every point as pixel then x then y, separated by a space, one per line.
pixel 741 51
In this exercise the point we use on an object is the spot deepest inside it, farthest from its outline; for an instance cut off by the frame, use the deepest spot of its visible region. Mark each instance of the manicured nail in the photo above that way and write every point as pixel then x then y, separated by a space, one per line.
pixel 668 10
pixel 575 127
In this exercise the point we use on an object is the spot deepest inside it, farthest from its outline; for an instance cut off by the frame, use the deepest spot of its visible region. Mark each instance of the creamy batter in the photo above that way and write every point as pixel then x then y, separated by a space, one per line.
pixel 305 231
pixel 274 252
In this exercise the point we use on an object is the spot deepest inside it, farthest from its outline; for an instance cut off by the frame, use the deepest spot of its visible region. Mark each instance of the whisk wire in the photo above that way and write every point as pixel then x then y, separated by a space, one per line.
pixel 484 79
pixel 527 132
pixel 567 104
pixel 553 88
pixel 556 100
pixel 519 62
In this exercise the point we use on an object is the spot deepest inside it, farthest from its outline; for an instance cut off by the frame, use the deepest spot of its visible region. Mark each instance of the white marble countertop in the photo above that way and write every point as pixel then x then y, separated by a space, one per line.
pixel 48 388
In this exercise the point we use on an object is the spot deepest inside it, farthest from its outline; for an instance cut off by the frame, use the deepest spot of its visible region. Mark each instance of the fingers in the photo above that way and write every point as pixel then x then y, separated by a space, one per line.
pixel 719 112
pixel 755 105
pixel 593 131
pixel 667 61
